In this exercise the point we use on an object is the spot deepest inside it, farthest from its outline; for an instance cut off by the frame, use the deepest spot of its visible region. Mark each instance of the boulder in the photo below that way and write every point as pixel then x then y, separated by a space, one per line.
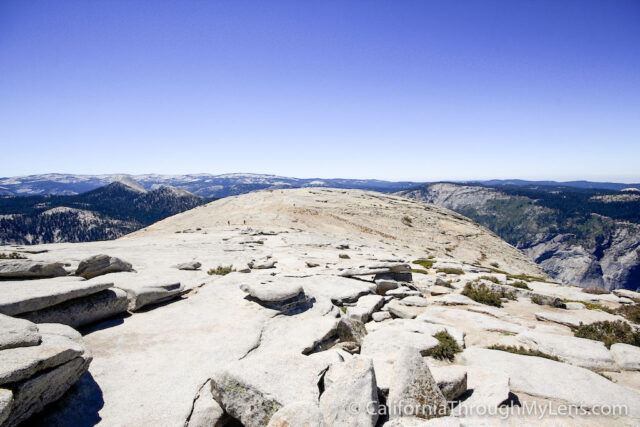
pixel 6 400
pixel 383 286
pixel 350 394
pixel 338 290
pixel 32 395
pixel 384 345
pixel 351 330
pixel 402 311
pixel 488 389
pixel 282 296
pixel 403 291
pixel 253 389
pixel 414 301
pixel 206 412
pixel 262 264
pixel 141 295
pixel 98 265
pixel 413 390
pixel 189 266
pixel 17 333
pixel 365 306
pixel 84 311
pixel 626 356
pixel 577 351
pixel 21 269
pixel 23 297
pixel 575 306
pixel 380 316
pixel 452 380
pixel 305 413
pixel 554 380
pixel 440 290
pixel 627 293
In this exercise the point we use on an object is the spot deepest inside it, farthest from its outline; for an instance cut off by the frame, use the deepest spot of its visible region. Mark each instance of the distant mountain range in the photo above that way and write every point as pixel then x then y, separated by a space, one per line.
pixel 207 185
pixel 101 214
pixel 580 236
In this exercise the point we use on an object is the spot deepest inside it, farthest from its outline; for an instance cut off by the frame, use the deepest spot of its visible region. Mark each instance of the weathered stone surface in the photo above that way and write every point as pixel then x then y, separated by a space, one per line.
pixel 574 318
pixel 454 299
pixel 380 316
pixel 365 306
pixel 142 296
pixel 489 389
pixel 18 364
pixel 452 380
pixel 440 290
pixel 384 345
pixel 627 293
pixel 339 290
pixel 402 311
pixel 98 265
pixel 253 389
pixel 554 380
pixel 415 301
pixel 20 269
pixel 262 264
pixel 6 401
pixel 22 297
pixel 189 266
pixel 413 390
pixel 383 286
pixel 206 412
pixel 349 385
pixel 351 330
pixel 31 395
pixel 304 413
pixel 403 291
pixel 626 356
pixel 577 351
pixel 83 311
pixel 467 320
pixel 17 333
pixel 575 306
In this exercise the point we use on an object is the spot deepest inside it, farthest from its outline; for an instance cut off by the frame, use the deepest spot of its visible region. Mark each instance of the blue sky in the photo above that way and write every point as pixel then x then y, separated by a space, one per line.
pixel 416 90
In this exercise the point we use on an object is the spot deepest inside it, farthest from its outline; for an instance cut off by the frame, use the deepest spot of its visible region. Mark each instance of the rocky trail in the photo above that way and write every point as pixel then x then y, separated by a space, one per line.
pixel 305 307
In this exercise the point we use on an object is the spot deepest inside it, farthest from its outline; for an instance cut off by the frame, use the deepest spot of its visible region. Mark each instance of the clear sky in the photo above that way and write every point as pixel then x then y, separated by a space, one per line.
pixel 401 90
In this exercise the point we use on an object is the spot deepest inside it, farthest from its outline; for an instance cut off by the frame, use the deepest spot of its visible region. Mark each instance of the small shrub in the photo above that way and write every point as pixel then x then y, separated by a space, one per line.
pixel 491 279
pixel 519 284
pixel 407 221
pixel 425 263
pixel 447 284
pixel 526 278
pixel 631 312
pixel 537 299
pixel 344 256
pixel 343 309
pixel 12 255
pixel 592 306
pixel 419 271
pixel 482 294
pixel 447 348
pixel 609 333
pixel 449 270
pixel 220 270
pixel 595 290
pixel 523 351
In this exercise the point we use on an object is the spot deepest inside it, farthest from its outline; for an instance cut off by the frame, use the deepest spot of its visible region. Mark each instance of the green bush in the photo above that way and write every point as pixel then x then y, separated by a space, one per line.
pixel 519 284
pixel 482 294
pixel 491 279
pixel 419 271
pixel 631 312
pixel 344 256
pixel 12 255
pixel 220 270
pixel 449 270
pixel 425 263
pixel 447 348
pixel 407 221
pixel 523 351
pixel 609 333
